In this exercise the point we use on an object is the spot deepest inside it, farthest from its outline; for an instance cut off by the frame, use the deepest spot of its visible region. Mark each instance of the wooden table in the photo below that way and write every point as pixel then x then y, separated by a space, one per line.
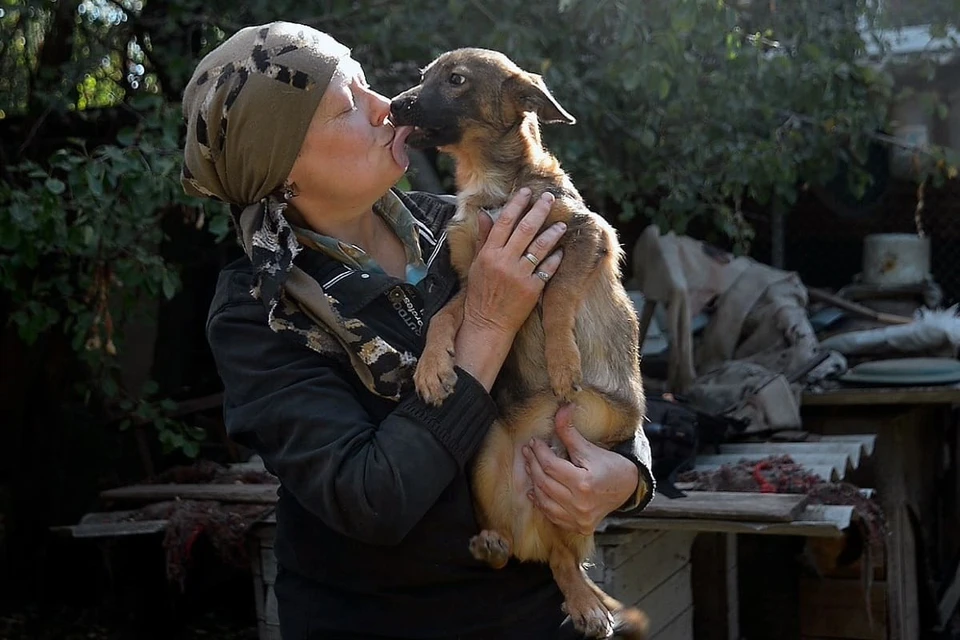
pixel 915 473
pixel 647 561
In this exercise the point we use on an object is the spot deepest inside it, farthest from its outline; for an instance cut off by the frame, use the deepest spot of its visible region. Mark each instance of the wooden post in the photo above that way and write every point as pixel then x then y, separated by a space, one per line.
pixel 714 581
pixel 778 233
pixel 898 456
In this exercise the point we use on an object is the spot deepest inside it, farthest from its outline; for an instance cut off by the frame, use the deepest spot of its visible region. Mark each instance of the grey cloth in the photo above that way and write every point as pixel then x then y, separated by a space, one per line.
pixel 758 334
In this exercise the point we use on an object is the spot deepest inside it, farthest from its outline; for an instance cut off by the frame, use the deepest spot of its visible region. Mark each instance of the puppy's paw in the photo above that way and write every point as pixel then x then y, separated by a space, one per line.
pixel 490 547
pixel 564 371
pixel 565 381
pixel 435 376
pixel 590 617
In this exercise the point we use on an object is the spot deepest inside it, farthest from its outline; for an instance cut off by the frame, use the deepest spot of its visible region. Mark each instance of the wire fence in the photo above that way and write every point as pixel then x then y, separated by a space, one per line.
pixel 824 239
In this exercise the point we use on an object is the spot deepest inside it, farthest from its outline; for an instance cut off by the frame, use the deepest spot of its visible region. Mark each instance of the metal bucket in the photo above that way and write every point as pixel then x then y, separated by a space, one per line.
pixel 895 259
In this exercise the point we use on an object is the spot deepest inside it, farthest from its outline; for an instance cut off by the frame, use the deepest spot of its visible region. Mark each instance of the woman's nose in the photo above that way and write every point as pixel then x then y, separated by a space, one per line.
pixel 379 108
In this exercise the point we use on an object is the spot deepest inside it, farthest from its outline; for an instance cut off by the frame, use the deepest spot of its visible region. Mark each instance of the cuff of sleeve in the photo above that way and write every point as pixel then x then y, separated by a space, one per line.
pixel 646 485
pixel 461 422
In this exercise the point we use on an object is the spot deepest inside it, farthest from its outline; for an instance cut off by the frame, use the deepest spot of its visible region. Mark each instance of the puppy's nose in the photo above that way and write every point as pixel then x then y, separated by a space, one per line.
pixel 401 105
pixel 403 110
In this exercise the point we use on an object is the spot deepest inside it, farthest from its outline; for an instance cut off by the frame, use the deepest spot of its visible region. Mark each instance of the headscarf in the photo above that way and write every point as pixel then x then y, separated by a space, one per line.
pixel 248 107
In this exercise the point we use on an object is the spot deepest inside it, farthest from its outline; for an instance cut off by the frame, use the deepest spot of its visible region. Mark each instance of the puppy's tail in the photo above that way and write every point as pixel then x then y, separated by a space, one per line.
pixel 629 623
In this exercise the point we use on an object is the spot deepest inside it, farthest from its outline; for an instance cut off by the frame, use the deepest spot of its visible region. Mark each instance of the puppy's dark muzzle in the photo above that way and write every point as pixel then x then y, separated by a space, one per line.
pixel 405 110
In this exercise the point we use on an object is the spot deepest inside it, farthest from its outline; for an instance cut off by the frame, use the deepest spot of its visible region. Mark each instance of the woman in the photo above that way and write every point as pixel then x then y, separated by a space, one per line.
pixel 316 333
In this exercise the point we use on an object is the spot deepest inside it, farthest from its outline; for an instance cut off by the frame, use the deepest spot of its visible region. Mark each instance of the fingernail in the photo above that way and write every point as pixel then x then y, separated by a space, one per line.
pixel 530 444
pixel 530 495
pixel 561 226
pixel 525 191
pixel 526 451
pixel 547 196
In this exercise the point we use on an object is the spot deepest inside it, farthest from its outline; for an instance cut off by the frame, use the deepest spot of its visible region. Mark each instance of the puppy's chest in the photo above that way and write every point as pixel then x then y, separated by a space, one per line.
pixel 563 209
pixel 469 212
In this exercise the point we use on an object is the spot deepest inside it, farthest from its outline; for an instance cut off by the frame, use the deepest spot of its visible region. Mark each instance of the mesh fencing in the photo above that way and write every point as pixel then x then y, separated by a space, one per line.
pixel 824 238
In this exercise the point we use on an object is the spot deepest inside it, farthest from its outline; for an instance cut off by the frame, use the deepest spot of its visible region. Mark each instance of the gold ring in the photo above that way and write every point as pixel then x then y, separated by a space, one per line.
pixel 543 275
pixel 534 260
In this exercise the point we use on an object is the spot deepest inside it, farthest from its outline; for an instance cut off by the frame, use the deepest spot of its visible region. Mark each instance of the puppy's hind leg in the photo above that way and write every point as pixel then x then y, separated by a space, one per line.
pixel 435 376
pixel 629 623
pixel 491 547
pixel 581 602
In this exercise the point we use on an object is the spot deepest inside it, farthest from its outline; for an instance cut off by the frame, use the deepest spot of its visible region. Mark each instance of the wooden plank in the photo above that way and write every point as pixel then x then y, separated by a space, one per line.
pixel 840 461
pixel 868 441
pixel 899 455
pixel 827 472
pixel 105 517
pixel 268 564
pixel 816 521
pixel 112 529
pixel 680 628
pixel 948 603
pixel 852 396
pixel 852 450
pixel 270 607
pixel 709 586
pixel 269 631
pixel 245 493
pixel 259 588
pixel 651 568
pixel 668 600
pixel 733 588
pixel 727 505
pixel 614 555
pixel 834 608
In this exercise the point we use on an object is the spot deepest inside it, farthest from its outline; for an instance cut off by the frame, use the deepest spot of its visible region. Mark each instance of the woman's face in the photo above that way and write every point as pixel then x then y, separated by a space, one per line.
pixel 351 153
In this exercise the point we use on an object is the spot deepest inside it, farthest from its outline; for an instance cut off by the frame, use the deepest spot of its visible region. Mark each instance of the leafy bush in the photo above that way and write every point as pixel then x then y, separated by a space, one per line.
pixel 687 110
pixel 79 251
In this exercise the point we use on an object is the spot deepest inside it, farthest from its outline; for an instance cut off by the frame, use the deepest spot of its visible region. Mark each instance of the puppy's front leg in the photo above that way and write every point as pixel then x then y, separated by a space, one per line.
pixel 562 299
pixel 435 376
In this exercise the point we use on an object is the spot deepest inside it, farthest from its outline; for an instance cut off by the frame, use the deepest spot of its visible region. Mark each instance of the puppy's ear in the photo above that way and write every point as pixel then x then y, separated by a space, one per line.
pixel 529 93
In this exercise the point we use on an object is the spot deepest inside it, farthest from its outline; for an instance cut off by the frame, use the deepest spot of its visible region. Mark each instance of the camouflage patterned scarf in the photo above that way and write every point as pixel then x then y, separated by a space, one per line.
pixel 247 108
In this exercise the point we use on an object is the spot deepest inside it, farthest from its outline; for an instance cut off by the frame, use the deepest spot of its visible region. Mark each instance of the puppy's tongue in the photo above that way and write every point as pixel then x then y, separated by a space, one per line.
pixel 399 146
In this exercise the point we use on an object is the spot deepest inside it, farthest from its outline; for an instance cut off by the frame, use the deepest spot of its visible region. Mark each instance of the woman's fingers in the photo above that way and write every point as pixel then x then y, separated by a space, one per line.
pixel 542 246
pixel 548 267
pixel 529 225
pixel 503 227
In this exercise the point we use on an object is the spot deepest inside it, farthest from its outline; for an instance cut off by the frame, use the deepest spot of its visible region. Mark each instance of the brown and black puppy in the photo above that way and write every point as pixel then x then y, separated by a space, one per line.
pixel 582 347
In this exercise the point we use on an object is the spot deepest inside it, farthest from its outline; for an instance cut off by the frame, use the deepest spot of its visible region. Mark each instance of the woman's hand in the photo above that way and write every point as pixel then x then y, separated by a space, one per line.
pixel 502 284
pixel 505 281
pixel 577 494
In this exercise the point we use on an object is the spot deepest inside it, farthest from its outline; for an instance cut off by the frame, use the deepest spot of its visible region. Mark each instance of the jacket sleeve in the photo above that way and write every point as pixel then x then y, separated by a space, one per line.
pixel 638 451
pixel 301 413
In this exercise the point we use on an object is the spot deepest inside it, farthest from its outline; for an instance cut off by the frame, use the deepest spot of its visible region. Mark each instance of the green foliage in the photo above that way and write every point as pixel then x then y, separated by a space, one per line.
pixel 686 109
pixel 149 409
pixel 689 112
pixel 80 235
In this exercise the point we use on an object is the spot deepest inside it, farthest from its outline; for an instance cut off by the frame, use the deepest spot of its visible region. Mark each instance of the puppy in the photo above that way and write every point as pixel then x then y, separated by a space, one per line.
pixel 582 346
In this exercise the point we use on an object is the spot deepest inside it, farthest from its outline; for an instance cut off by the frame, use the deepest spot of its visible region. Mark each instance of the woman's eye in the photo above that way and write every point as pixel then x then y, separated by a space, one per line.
pixel 456 78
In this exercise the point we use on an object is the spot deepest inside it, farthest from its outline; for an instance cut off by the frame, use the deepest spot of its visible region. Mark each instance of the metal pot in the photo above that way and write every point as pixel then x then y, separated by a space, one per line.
pixel 895 259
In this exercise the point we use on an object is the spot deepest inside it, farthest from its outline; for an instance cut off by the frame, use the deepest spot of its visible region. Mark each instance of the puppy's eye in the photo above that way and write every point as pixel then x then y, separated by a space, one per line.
pixel 456 78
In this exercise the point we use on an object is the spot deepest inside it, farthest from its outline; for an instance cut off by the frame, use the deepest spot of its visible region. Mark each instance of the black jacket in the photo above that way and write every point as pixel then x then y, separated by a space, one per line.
pixel 374 506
